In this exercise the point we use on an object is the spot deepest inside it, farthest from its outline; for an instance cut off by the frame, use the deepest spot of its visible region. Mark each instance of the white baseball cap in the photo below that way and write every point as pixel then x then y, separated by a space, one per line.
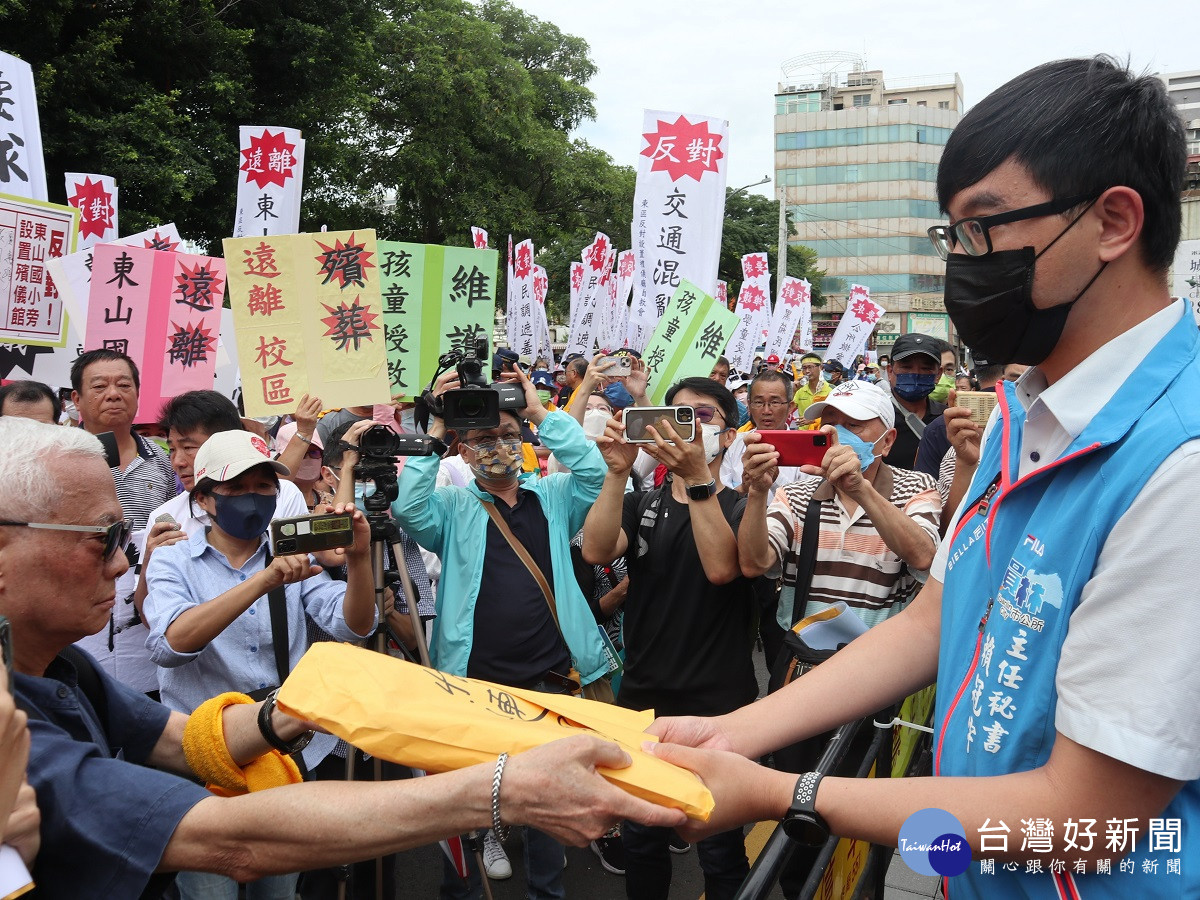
pixel 860 400
pixel 227 454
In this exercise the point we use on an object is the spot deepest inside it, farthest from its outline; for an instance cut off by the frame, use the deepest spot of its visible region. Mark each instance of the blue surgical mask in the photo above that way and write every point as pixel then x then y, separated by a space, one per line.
pixel 865 451
pixel 244 516
pixel 618 396
pixel 914 386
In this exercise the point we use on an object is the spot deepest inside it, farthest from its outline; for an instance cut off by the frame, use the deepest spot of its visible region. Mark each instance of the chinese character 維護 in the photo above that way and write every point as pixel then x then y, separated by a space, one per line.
pixel 470 286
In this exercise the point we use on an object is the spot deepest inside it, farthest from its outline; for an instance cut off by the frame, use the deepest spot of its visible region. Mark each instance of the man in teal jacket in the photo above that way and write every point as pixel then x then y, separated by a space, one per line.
pixel 1059 614
pixel 493 620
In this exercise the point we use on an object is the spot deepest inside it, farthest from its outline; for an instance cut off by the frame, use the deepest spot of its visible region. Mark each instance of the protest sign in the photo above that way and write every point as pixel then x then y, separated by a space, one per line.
pixel 591 323
pixel 855 326
pixel 678 209
pixel 435 299
pixel 794 295
pixel 95 196
pixel 32 233
pixel 22 166
pixel 306 310
pixel 544 346
pixel 270 177
pixel 1185 274
pixel 73 273
pixel 521 326
pixel 690 336
pixel 754 307
pixel 804 331
pixel 161 309
pixel 447 722
pixel 227 381
pixel 722 294
pixel 479 238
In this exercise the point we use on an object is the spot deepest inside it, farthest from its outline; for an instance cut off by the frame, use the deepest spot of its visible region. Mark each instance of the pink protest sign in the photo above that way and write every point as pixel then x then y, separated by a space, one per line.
pixel 164 311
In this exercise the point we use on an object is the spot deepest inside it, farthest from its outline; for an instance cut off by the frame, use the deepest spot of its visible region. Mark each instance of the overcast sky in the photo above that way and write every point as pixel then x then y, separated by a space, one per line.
pixel 724 58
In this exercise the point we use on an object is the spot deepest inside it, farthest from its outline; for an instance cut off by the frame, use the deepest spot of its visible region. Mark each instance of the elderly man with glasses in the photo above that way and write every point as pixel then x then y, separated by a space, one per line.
pixel 771 406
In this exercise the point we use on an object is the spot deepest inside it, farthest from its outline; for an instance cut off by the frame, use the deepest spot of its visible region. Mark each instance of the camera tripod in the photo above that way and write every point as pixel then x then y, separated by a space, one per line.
pixel 385 532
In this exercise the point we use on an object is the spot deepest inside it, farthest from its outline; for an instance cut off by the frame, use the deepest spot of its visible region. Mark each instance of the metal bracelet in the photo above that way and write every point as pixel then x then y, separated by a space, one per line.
pixel 501 830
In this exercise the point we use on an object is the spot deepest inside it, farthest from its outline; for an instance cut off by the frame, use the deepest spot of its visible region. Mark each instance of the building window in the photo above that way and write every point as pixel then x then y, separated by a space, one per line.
pixel 862 99
pixel 922 103
pixel 943 104
pixel 899 102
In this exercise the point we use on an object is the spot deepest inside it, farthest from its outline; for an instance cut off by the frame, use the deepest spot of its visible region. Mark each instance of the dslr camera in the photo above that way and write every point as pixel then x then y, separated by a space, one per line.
pixel 475 403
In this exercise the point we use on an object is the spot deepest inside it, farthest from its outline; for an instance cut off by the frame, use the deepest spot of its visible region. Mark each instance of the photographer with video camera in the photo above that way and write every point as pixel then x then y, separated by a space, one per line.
pixel 501 539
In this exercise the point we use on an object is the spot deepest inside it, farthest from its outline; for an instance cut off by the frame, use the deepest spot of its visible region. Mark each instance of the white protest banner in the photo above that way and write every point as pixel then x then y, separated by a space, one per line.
pixel 576 304
pixel 510 308
pixel 804 332
pixel 73 272
pixel 678 209
pixel 479 238
pixel 855 326
pixel 22 166
pixel 794 295
pixel 597 259
pixel 95 196
pixel 626 266
pixel 228 381
pixel 722 294
pixel 32 233
pixel 521 336
pixel 754 307
pixel 269 181
pixel 541 283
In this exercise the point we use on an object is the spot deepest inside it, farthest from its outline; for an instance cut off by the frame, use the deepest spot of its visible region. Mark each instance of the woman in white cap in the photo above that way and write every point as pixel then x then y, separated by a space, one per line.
pixel 209 608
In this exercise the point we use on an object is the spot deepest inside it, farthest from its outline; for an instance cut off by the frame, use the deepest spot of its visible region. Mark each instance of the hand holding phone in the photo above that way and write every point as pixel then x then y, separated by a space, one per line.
pixel 638 418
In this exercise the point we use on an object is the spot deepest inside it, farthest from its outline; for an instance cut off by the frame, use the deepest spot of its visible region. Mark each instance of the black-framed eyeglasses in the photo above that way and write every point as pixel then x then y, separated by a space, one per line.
pixel 116 535
pixel 973 232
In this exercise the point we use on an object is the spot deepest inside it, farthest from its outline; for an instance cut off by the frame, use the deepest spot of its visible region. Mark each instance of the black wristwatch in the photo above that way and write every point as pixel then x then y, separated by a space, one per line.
pixel 701 491
pixel 802 823
pixel 295 745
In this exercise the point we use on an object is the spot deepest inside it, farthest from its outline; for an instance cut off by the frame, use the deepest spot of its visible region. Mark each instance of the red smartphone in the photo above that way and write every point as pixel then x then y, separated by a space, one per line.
pixel 798 448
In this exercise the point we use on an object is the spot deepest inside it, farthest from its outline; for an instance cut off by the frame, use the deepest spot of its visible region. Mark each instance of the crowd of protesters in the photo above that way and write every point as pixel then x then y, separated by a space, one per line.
pixel 151 620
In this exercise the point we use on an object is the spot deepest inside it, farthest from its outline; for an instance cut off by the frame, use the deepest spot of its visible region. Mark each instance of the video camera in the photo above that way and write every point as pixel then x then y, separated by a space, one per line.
pixel 475 403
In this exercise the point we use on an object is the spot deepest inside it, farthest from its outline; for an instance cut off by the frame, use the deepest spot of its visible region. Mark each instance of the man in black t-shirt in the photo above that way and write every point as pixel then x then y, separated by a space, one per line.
pixel 689 612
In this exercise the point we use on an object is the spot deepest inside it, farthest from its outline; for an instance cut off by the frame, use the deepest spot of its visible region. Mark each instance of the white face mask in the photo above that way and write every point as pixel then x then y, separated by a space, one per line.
pixel 712 441
pixel 594 422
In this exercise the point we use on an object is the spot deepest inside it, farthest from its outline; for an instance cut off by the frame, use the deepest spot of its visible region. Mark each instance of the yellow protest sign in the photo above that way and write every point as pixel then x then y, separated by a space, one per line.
pixel 430 720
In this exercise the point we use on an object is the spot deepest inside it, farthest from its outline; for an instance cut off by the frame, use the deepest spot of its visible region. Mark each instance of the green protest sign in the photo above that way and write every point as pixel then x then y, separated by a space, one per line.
pixel 435 299
pixel 691 334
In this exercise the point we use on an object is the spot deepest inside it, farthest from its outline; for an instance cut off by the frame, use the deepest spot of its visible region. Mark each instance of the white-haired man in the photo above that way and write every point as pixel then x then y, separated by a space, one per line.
pixel 103 755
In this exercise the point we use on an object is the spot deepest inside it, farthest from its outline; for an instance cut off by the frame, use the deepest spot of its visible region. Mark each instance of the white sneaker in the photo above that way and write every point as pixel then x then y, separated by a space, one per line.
pixel 495 860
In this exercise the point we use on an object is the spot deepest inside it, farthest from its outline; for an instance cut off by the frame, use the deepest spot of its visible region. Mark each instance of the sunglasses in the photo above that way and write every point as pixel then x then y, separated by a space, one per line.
pixel 116 535
pixel 705 414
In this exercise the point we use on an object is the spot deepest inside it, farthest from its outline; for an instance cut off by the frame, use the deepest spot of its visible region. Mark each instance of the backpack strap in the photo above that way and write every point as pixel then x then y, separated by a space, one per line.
pixel 277 600
pixel 806 562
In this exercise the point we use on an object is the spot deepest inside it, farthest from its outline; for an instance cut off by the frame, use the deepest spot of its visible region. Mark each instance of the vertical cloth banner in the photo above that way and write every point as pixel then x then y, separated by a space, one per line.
pixel 22 165
pixel 576 313
pixel 689 337
pixel 804 332
pixel 73 272
pixel 306 311
pixel 855 326
pixel 161 309
pixel 597 260
pixel 754 306
pixel 435 299
pixel 95 196
pixel 794 295
pixel 541 285
pixel 678 209
pixel 522 324
pixel 270 178
pixel 722 294
pixel 32 233
pixel 479 238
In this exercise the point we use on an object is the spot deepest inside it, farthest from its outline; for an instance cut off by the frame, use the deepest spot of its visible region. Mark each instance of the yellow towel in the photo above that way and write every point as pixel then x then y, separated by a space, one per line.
pixel 207 753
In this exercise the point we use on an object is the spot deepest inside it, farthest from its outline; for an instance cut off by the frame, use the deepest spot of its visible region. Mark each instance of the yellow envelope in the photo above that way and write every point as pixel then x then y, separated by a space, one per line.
pixel 427 719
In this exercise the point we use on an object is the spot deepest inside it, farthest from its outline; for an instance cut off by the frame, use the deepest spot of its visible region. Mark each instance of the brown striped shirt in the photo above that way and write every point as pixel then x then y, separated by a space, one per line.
pixel 854 564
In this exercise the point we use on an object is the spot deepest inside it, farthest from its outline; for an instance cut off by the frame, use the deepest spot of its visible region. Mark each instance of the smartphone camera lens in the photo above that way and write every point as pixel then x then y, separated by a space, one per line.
pixel 685 415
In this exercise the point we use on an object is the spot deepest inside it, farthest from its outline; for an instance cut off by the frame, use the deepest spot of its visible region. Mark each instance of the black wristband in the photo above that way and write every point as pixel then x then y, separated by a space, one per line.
pixel 268 732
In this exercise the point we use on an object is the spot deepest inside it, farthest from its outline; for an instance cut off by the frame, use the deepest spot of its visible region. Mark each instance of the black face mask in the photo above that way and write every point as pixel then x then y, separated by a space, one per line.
pixel 990 300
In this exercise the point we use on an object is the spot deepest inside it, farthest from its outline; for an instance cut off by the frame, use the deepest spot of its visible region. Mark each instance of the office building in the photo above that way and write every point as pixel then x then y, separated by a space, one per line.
pixel 856 157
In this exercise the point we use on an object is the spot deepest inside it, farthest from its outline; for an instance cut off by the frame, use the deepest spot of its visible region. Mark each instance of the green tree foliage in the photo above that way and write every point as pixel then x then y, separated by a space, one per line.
pixel 751 226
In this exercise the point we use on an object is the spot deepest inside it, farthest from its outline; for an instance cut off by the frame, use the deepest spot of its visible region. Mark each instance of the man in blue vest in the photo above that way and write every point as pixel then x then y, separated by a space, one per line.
pixel 1058 617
